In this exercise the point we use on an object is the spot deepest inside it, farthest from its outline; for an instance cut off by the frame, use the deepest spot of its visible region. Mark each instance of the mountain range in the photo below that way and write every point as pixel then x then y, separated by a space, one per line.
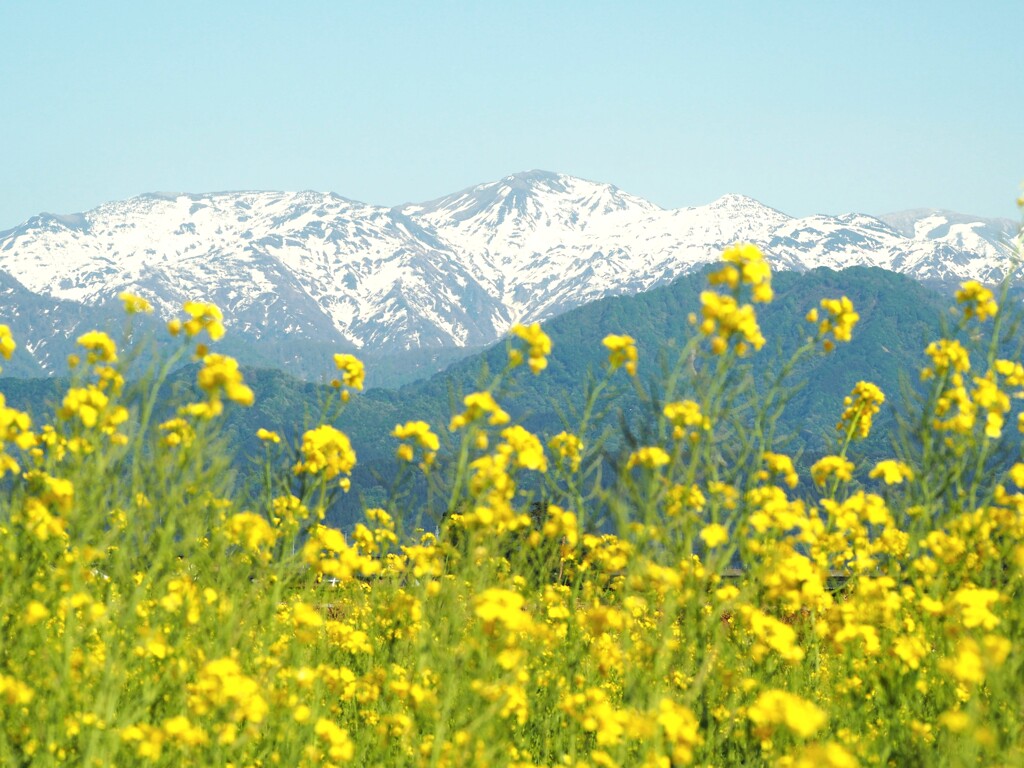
pixel 410 288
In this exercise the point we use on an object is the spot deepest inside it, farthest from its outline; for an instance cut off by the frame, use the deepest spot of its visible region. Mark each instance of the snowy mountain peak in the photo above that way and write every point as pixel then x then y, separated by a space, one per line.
pixel 734 200
pixel 531 194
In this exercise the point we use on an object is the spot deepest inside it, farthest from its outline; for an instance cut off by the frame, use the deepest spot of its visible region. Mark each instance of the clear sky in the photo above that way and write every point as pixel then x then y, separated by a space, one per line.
pixel 809 107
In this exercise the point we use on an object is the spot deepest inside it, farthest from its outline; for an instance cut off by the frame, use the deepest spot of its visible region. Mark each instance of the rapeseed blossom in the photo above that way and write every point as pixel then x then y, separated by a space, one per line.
pixel 421 436
pixel 100 346
pixel 567 448
pixel 892 472
pixel 538 347
pixel 134 304
pixel 220 376
pixel 714 535
pixel 7 343
pixel 328 452
pixel 353 373
pixel 201 317
pixel 706 610
pixel 978 301
pixel 650 456
pixel 832 466
pixel 686 419
pixel 746 265
pixel 621 352
pixel 839 320
pixel 723 320
pixel 860 408
pixel 479 405
pixel 775 707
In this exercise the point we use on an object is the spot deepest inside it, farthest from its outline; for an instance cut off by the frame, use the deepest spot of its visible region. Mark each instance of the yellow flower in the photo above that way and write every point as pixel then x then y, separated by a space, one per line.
pixel 202 317
pixel 946 354
pixel 353 374
pixel 978 301
pixel 772 635
pixel 7 344
pixel 287 510
pixel 987 396
pixel 538 344
pixel 326 450
pixel 967 665
pixel 478 405
pixel 780 464
pixel 561 525
pixel 684 416
pixel 134 304
pixel 523 448
pixel 502 606
pixel 220 374
pixel 91 407
pixel 35 612
pixel 715 535
pixel 750 269
pixel 339 745
pixel 621 352
pixel 179 433
pixel 828 466
pixel 955 720
pixel 860 408
pixel 682 730
pixel 684 498
pixel 100 346
pixel 221 685
pixel 421 435
pixel 892 472
pixel 839 321
pixel 827 755
pixel 180 730
pixel 268 436
pixel 650 457
pixel 724 319
pixel 775 707
pixel 1011 371
pixel 567 448
pixel 975 606
pixel 251 532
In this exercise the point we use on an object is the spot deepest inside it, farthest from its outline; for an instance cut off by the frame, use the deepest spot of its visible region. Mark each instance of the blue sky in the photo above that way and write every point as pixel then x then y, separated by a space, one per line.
pixel 807 106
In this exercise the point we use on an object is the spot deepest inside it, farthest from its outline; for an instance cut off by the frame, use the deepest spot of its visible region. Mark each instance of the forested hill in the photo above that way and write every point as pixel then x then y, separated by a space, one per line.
pixel 898 318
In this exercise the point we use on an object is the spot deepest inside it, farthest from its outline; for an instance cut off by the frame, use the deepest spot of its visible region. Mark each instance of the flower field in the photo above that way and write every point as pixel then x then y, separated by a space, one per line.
pixel 544 602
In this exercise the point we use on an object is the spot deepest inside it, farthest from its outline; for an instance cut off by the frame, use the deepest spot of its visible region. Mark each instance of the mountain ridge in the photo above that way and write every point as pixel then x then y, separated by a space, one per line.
pixel 294 269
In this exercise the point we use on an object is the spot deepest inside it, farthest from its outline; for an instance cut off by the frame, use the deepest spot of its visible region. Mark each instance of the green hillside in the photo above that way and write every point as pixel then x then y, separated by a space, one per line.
pixel 898 318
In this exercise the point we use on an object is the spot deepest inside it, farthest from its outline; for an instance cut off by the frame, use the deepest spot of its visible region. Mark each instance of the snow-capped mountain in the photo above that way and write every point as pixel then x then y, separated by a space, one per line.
pixel 292 270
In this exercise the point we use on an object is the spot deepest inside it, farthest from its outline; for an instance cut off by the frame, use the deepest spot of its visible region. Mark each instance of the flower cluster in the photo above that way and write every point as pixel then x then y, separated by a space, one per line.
pixel 723 320
pixel 538 347
pixel 326 452
pixel 978 301
pixel 479 405
pixel 353 374
pixel 860 408
pixel 420 435
pixel 745 265
pixel 201 317
pixel 838 321
pixel 621 352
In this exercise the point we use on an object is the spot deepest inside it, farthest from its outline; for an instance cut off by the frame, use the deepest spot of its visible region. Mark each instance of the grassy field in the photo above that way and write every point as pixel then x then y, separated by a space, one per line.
pixel 676 604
